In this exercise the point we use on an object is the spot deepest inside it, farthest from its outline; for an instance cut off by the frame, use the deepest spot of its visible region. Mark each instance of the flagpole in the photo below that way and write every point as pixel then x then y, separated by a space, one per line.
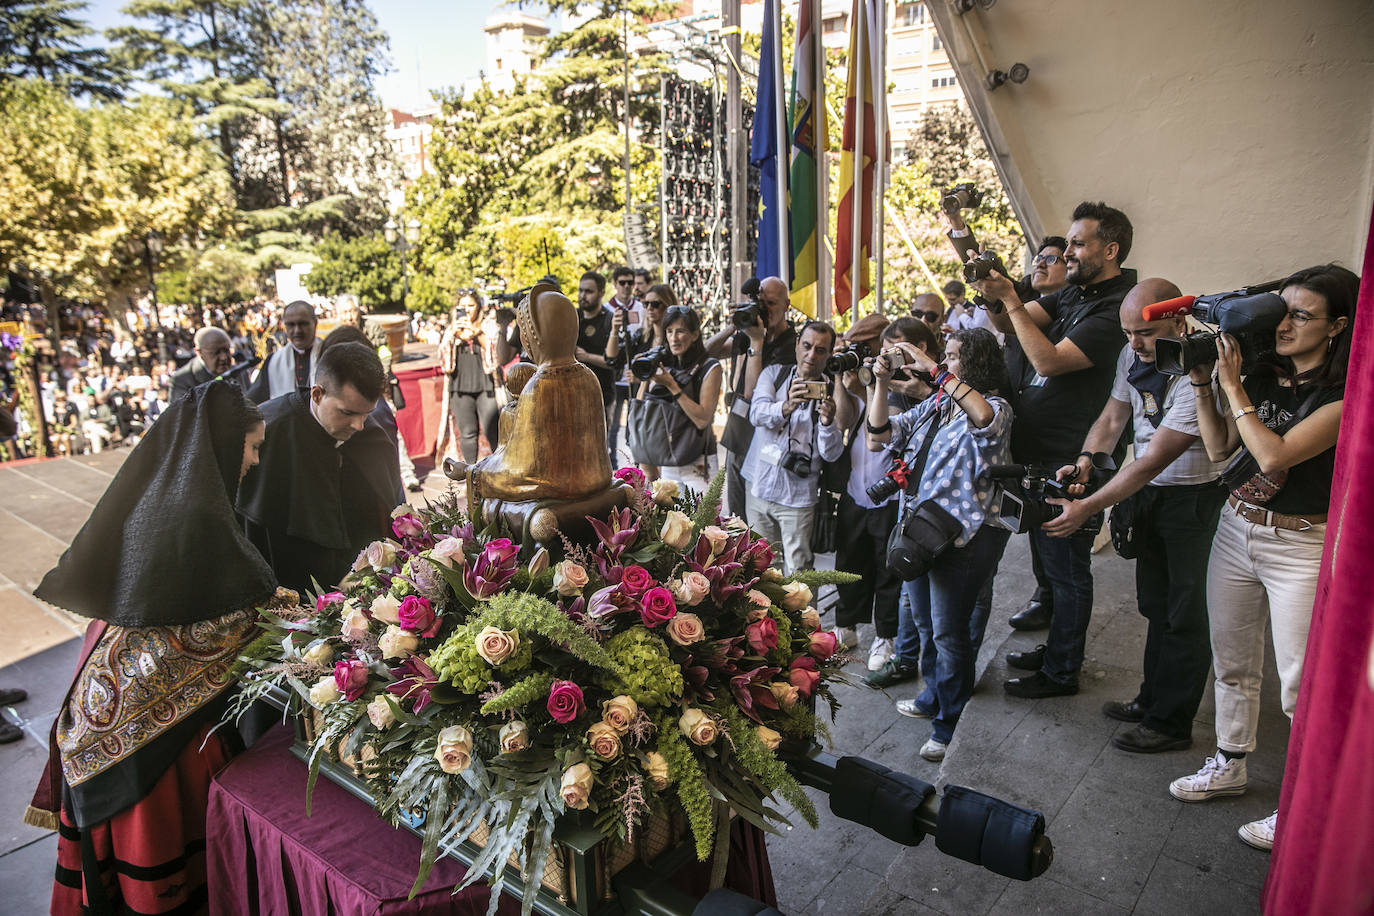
pixel 784 153
pixel 823 267
pixel 880 140
pixel 856 188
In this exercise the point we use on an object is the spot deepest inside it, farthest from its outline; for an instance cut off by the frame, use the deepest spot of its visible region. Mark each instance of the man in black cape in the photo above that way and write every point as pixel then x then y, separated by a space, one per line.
pixel 329 476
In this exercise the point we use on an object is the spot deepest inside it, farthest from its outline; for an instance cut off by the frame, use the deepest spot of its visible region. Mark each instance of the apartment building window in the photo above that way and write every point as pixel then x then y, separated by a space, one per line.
pixel 909 14
pixel 936 44
pixel 943 82
pixel 906 47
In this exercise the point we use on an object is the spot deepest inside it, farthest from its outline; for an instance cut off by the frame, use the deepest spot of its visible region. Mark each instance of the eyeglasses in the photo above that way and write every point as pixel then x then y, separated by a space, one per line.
pixel 1300 318
pixel 1049 260
pixel 925 316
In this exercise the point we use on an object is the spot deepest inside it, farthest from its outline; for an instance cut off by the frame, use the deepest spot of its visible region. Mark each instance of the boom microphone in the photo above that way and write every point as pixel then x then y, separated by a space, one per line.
pixel 241 367
pixel 1183 305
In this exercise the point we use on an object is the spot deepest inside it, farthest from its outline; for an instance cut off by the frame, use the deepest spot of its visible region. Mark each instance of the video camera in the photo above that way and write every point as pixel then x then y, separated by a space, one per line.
pixel 1022 497
pixel 746 315
pixel 961 196
pixel 1250 315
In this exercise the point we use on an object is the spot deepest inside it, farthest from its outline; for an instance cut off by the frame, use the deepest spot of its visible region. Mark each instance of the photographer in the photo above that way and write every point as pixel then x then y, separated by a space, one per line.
pixel 467 358
pixel 867 524
pixel 627 313
pixel 683 390
pixel 951 440
pixel 1173 504
pixel 767 340
pixel 1267 554
pixel 1070 340
pixel 793 410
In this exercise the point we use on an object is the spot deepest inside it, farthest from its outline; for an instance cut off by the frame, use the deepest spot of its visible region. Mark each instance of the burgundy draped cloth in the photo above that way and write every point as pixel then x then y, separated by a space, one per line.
pixel 419 423
pixel 1323 859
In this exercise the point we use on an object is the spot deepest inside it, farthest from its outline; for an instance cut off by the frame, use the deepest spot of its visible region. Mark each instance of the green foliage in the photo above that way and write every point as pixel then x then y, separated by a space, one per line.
pixel 648 675
pixel 530 614
pixel 457 662
pixel 815 578
pixel 367 267
pixel 690 782
pixel 219 274
pixel 522 693
pixel 44 40
pixel 755 757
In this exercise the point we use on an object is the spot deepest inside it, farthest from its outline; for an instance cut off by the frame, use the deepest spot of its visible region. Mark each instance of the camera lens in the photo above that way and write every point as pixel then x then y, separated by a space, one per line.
pixel 882 490
pixel 746 316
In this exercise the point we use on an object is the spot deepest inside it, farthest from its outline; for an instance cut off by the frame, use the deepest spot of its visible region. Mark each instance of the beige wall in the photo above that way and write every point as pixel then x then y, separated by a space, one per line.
pixel 1239 137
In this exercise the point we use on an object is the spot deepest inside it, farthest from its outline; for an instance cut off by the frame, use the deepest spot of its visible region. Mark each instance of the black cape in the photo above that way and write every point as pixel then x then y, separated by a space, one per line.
pixel 163 546
pixel 310 506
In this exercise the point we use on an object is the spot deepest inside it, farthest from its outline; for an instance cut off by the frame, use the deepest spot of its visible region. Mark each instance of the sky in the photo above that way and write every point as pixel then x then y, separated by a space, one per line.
pixel 433 44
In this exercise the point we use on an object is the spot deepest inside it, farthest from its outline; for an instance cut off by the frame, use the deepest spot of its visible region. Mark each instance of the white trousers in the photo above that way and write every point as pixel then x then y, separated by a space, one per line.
pixel 786 528
pixel 1258 573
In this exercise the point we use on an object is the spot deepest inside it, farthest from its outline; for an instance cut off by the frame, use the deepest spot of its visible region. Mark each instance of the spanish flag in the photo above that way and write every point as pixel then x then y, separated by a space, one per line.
pixel 854 228
pixel 810 138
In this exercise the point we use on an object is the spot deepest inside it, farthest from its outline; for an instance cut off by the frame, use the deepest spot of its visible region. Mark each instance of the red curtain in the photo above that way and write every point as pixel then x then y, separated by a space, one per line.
pixel 1323 860
pixel 419 423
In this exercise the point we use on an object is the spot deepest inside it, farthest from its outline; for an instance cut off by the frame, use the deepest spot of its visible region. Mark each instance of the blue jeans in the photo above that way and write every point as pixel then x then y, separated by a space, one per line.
pixel 948 597
pixel 915 643
pixel 1068 564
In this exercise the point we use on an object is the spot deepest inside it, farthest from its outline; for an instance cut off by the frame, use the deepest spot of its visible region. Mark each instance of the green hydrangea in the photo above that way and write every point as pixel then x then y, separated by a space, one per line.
pixel 458 663
pixel 648 674
pixel 401 588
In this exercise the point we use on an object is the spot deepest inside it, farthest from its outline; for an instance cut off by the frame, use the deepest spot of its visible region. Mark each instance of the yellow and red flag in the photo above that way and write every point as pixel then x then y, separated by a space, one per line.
pixel 810 142
pixel 858 158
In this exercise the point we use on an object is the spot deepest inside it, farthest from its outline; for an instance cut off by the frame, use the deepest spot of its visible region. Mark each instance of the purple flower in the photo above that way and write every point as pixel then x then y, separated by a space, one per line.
pixel 417 616
pixel 416 680
pixel 427 581
pixel 617 533
pixel 751 688
pixel 492 570
pixel 11 341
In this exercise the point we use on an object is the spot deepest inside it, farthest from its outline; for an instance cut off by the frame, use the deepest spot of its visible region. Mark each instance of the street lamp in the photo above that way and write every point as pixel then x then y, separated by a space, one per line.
pixel 152 248
pixel 395 237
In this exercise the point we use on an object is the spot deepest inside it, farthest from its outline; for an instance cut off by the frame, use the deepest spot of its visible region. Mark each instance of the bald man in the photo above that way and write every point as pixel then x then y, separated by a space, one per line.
pixel 214 356
pixel 290 368
pixel 930 309
pixel 1176 501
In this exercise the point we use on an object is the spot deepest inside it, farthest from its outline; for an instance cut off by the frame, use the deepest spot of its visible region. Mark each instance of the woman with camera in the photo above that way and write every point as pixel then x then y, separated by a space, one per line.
pixel 1285 415
pixel 947 543
pixel 468 360
pixel 670 420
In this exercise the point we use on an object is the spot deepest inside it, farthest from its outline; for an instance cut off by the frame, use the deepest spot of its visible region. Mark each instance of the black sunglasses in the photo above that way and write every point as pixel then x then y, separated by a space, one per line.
pixel 653 303
pixel 925 316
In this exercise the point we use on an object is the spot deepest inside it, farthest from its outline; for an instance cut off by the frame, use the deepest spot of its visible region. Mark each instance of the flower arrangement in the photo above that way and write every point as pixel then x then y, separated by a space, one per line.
pixel 658 667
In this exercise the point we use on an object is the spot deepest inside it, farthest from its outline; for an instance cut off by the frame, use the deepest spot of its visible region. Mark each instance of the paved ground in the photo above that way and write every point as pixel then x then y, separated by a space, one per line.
pixel 1121 843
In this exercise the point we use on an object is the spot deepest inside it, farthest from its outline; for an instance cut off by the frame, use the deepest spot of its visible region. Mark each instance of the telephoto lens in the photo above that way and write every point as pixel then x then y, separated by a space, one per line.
pixel 847 360
pixel 646 364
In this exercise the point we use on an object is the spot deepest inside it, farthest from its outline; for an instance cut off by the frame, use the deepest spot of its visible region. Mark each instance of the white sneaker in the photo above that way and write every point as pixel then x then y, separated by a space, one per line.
pixel 1260 834
pixel 1219 776
pixel 879 653
pixel 934 751
pixel 849 637
pixel 910 709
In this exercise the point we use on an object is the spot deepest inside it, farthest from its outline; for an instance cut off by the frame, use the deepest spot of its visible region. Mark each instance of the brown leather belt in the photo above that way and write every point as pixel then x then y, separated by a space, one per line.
pixel 1262 516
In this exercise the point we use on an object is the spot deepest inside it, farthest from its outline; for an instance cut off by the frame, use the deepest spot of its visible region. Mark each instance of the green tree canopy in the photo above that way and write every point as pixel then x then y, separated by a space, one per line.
pixel 46 40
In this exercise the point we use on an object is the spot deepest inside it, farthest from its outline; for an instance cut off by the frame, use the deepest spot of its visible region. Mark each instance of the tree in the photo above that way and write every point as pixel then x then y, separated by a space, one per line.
pixel 367 267
pixel 45 40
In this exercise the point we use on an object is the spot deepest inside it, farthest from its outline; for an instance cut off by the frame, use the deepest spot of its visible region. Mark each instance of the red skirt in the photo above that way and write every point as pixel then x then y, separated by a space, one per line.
pixel 150 858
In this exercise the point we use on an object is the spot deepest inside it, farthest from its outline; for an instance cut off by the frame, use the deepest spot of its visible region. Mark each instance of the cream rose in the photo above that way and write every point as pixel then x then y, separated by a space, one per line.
pixel 619 712
pixel 514 736
pixel 569 579
pixel 770 738
pixel 795 596
pixel 404 509
pixel 386 608
pixel 496 645
pixel 379 711
pixel 577 786
pixel 657 770
pixel 604 740
pixel 361 563
pixel 771 574
pixel 319 655
pixel 676 531
pixel 699 727
pixel 398 643
pixel 448 553
pixel 665 491
pixel 785 694
pixel 685 629
pixel 454 751
pixel 355 625
pixel 381 555
pixel 736 525
pixel 717 536
pixel 811 619
pixel 324 692
pixel 691 589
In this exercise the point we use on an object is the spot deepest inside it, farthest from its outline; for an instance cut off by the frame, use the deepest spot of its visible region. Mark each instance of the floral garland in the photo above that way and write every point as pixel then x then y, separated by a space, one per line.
pixel 657 669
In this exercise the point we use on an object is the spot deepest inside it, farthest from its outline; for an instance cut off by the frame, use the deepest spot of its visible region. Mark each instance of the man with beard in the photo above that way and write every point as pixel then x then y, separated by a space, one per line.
pixel 328 477
pixel 1070 341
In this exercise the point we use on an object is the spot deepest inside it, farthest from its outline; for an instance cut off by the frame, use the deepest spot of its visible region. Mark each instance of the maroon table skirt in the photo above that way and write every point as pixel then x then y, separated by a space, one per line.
pixel 264 856
pixel 420 422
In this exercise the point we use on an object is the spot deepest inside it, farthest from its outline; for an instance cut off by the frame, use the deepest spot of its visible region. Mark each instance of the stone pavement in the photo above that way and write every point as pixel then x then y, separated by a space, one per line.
pixel 1122 844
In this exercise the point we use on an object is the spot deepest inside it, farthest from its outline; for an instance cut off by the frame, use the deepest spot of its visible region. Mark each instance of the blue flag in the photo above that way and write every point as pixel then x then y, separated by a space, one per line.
pixel 774 253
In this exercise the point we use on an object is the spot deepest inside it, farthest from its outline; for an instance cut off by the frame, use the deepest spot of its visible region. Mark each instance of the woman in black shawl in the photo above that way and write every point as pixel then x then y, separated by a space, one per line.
pixel 171 582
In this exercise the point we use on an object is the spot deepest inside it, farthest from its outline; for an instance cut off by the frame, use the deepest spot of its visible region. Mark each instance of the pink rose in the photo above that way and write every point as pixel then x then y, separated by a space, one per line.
pixel 824 643
pixel 803 675
pixel 716 536
pixel 685 629
pixel 811 619
pixel 758 598
pixel 633 476
pixel 692 589
pixel 762 553
pixel 417 616
pixel 604 740
pixel 448 552
pixel 569 578
pixel 497 646
pixel 500 551
pixel 350 677
pixel 576 787
pixel 657 606
pixel 763 635
pixel 565 702
pixel 635 581
pixel 328 599
pixel 454 749
pixel 407 526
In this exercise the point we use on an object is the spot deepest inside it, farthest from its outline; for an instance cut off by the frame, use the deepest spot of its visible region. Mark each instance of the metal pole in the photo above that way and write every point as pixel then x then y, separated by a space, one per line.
pixel 735 145
pixel 856 211
pixel 784 148
pixel 405 275
pixel 880 141
pixel 824 269
pixel 625 19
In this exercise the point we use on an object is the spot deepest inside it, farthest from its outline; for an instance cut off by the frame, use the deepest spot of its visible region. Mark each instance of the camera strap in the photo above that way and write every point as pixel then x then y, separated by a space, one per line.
pixel 918 464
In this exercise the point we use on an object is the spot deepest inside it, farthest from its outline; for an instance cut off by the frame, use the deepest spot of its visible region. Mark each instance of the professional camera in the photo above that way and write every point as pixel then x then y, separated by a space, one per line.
pixel 797 463
pixel 1021 498
pixel 849 359
pixel 892 482
pixel 981 266
pixel 746 315
pixel 647 363
pixel 961 197
pixel 1250 315
pixel 896 358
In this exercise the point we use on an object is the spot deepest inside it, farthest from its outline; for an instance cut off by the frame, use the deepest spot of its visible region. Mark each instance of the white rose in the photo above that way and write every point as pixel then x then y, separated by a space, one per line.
pixel 736 525
pixel 795 596
pixel 665 491
pixel 355 625
pixel 386 608
pixel 569 579
pixel 454 749
pixel 324 692
pixel 381 555
pixel 319 654
pixel 676 531
pixel 514 736
pixel 379 711
pixel 770 738
pixel 771 574
pixel 404 509
pixel 448 553
pixel 398 643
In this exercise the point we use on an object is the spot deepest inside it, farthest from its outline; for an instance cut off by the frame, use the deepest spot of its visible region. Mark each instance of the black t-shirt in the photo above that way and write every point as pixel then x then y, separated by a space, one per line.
pixel 780 351
pixel 1307 491
pixel 592 335
pixel 1053 415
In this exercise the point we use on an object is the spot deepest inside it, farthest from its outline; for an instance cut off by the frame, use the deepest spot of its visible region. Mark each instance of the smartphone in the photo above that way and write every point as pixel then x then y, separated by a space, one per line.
pixel 816 391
